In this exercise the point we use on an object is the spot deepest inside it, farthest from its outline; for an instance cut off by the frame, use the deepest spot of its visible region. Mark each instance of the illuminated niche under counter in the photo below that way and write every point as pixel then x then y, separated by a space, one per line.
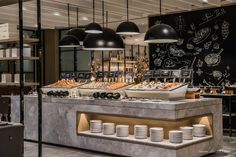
pixel 83 120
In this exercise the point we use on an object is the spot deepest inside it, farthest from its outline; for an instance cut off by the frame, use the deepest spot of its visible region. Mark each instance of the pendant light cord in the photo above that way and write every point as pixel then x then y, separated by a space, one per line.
pixel 93 11
pixel 103 16
pixel 106 19
pixel 127 7
pixel 160 8
pixel 68 9
pixel 77 17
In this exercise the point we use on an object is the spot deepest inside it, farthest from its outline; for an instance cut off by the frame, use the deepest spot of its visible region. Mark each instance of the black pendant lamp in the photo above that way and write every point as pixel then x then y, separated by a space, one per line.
pixel 93 28
pixel 127 27
pixel 106 41
pixel 161 33
pixel 77 32
pixel 69 39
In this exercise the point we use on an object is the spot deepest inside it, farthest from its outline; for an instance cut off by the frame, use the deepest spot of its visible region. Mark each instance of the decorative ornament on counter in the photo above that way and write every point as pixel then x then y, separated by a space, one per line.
pixel 141 66
pixel 95 66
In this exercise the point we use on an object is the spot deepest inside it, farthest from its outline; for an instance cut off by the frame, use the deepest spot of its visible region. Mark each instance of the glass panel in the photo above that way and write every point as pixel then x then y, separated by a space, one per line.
pixel 3 66
pixel 67 59
pixel 83 60
pixel 28 66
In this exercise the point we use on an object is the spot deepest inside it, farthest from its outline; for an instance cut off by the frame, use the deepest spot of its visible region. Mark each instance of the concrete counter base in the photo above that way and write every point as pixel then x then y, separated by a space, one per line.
pixel 60 123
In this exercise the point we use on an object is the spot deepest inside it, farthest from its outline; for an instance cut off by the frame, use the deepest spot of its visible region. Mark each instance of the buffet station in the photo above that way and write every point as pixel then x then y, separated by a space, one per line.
pixel 143 118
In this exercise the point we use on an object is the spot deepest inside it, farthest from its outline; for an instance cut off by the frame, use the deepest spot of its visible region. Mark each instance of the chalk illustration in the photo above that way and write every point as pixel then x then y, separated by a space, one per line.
pixel 180 24
pixel 199 63
pixel 207 45
pixel 213 59
pixel 201 35
pixel 216 27
pixel 180 42
pixel 214 37
pixel 225 30
pixel 216 46
pixel 217 74
pixel 198 49
pixel 190 46
pixel 169 63
pixel 157 62
pixel 176 52
pixel 154 55
pixel 199 72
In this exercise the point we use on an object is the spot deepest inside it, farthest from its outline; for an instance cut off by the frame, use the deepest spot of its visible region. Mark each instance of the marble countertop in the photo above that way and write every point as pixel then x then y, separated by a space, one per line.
pixel 142 104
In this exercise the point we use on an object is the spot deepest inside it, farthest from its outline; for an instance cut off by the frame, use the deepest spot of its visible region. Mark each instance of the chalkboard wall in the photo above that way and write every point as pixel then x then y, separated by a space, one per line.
pixel 207 43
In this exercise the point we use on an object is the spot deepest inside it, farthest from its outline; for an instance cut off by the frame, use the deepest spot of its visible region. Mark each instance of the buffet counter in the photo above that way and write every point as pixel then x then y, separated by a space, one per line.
pixel 66 122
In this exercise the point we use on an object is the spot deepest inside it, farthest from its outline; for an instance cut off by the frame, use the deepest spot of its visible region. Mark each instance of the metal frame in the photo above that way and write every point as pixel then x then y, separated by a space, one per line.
pixel 38 51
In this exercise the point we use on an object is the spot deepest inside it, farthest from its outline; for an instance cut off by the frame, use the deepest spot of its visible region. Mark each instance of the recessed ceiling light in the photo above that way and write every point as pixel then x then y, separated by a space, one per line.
pixel 24 8
pixel 56 14
pixel 84 18
pixel 205 1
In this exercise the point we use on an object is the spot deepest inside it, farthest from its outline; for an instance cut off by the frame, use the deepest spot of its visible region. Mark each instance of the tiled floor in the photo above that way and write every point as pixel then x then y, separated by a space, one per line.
pixel 229 150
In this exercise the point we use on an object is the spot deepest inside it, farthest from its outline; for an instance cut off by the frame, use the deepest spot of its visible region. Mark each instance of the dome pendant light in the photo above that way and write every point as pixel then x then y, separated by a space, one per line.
pixel 106 41
pixel 161 33
pixel 93 28
pixel 69 39
pixel 127 27
pixel 77 32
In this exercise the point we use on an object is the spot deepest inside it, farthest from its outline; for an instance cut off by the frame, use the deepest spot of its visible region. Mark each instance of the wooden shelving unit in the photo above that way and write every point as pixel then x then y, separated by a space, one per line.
pixel 16 40
pixel 18 84
pixel 18 58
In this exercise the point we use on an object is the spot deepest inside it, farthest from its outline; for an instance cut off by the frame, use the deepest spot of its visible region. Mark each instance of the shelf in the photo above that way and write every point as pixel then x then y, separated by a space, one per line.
pixel 18 84
pixel 18 58
pixel 165 143
pixel 119 61
pixel 227 114
pixel 16 39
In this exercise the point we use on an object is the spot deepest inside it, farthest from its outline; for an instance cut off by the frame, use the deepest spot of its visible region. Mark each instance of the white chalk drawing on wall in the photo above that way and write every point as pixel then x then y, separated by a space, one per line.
pixel 207 45
pixel 216 46
pixel 199 72
pixel 169 63
pixel 180 42
pixel 214 37
pixel 157 62
pixel 209 16
pixel 190 46
pixel 213 59
pixel 173 49
pixel 199 63
pixel 225 30
pixel 201 35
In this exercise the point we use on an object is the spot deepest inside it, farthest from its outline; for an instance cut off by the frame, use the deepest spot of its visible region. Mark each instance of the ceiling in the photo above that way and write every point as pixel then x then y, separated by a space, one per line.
pixel 54 12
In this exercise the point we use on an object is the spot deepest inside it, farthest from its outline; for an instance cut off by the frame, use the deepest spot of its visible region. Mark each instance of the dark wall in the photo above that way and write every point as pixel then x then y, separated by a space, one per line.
pixel 207 43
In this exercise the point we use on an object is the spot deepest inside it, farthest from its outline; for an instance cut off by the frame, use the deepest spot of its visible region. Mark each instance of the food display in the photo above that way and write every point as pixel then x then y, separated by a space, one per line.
pixel 158 90
pixel 62 88
pixel 91 88
pixel 156 85
pixel 65 84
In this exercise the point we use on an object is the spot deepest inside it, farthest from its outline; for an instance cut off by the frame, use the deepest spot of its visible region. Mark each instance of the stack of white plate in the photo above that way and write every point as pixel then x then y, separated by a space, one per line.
pixel 187 132
pixel 176 136
pixel 122 130
pixel 156 134
pixel 95 126
pixel 108 128
pixel 199 130
pixel 140 131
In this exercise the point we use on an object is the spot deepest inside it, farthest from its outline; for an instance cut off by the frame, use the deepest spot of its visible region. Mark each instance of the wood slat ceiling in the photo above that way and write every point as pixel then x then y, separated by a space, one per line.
pixel 54 12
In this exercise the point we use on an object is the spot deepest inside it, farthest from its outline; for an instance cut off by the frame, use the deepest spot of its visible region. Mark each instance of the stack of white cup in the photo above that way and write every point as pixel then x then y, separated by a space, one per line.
pixel 140 131
pixel 176 136
pixel 122 130
pixel 95 126
pixel 199 130
pixel 108 128
pixel 156 134
pixel 187 132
